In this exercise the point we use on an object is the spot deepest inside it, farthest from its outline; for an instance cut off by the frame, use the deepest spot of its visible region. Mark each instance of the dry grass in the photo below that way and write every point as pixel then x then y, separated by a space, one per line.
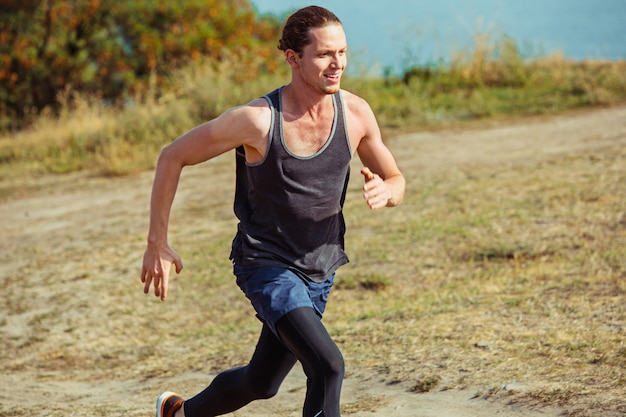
pixel 90 135
pixel 487 275
pixel 500 274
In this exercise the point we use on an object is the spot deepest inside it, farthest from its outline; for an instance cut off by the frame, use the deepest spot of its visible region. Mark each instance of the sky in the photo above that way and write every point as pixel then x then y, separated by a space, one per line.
pixel 404 33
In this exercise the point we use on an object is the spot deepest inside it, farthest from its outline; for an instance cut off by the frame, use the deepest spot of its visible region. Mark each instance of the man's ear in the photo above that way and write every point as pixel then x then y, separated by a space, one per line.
pixel 292 57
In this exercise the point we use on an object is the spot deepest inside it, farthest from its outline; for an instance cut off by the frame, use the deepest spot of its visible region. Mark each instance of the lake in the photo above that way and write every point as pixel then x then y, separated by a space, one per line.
pixel 403 33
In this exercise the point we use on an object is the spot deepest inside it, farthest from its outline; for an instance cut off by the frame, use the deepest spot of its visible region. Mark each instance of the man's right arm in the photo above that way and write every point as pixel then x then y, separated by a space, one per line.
pixel 245 125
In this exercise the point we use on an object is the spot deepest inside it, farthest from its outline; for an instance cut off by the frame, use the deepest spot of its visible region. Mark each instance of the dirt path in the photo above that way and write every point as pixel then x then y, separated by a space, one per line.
pixel 59 233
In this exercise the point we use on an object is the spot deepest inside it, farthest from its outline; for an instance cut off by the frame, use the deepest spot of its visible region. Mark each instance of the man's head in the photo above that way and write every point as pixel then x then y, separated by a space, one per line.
pixel 296 30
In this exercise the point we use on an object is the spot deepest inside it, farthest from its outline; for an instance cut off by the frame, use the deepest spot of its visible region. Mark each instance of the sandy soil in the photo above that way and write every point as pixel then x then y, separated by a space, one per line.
pixel 62 237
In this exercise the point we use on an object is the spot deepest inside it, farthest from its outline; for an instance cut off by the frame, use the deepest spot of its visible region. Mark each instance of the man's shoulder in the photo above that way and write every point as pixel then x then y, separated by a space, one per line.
pixel 348 95
pixel 257 103
pixel 355 104
pixel 257 108
pixel 249 120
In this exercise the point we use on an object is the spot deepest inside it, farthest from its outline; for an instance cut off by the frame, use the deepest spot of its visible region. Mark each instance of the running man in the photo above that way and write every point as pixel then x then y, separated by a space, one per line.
pixel 293 150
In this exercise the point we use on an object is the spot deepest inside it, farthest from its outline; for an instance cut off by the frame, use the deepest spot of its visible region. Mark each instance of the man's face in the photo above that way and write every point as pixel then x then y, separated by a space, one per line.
pixel 324 60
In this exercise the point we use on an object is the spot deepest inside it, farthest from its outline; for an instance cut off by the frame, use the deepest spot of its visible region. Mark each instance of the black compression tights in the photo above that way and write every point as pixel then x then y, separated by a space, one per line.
pixel 304 338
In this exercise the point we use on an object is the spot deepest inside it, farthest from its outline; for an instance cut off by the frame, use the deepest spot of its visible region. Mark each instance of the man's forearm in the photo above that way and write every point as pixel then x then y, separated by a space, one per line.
pixel 397 185
pixel 166 179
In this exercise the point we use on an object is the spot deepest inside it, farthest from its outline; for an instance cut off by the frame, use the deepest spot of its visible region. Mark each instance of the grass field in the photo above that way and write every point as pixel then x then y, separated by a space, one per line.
pixel 504 265
pixel 89 135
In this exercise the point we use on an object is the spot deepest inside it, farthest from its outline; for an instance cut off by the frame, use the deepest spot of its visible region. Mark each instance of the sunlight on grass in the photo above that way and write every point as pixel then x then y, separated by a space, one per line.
pixel 492 81
pixel 484 275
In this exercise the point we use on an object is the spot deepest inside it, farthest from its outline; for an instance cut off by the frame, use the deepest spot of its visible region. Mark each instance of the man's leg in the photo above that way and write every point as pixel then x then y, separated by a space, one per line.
pixel 233 389
pixel 302 331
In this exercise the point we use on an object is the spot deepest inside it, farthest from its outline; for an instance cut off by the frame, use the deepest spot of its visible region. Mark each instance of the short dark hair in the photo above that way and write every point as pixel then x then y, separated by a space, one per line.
pixel 295 34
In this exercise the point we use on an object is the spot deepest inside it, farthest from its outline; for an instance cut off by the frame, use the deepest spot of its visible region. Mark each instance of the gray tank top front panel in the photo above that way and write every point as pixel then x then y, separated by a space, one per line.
pixel 290 206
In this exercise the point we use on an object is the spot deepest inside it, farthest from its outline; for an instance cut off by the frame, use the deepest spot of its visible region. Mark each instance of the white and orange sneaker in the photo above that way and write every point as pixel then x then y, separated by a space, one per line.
pixel 168 403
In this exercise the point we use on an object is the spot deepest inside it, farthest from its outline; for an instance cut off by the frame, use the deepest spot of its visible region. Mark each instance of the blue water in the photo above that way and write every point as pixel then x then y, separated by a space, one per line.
pixel 403 33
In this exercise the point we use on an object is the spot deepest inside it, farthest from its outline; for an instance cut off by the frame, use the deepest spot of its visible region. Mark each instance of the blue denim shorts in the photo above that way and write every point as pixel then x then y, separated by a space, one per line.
pixel 275 291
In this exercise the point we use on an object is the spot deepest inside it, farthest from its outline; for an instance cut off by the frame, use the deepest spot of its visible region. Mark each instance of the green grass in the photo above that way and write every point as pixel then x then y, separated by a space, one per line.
pixel 478 279
pixel 89 135
pixel 512 273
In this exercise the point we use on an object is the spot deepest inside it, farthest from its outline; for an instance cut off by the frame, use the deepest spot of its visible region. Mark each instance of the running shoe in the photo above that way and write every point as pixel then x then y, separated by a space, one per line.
pixel 168 403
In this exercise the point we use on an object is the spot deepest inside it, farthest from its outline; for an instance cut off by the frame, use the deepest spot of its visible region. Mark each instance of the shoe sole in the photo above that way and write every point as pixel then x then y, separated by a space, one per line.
pixel 160 405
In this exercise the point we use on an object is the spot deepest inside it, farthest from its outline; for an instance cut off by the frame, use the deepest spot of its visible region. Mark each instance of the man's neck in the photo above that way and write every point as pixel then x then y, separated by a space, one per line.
pixel 302 100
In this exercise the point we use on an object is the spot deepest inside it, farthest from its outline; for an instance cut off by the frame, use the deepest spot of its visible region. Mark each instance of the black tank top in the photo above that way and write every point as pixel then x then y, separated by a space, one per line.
pixel 289 206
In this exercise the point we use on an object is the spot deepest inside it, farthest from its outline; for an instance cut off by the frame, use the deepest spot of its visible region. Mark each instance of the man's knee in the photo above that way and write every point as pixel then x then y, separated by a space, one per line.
pixel 336 366
pixel 263 388
pixel 329 368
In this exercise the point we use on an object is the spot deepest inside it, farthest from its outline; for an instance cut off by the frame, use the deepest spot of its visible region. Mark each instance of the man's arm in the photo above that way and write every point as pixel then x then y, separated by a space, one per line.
pixel 384 183
pixel 246 125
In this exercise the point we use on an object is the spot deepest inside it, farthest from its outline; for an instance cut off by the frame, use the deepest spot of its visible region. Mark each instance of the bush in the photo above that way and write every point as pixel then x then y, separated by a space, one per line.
pixel 114 50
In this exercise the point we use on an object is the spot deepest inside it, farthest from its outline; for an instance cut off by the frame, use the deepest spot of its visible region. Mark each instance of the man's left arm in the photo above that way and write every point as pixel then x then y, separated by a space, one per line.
pixel 382 190
pixel 384 183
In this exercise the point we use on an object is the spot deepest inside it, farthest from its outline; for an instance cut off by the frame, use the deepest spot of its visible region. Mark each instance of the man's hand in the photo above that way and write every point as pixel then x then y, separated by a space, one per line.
pixel 157 263
pixel 375 191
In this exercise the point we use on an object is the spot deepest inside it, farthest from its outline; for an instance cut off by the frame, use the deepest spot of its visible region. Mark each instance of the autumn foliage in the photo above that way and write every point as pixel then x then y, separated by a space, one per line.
pixel 115 49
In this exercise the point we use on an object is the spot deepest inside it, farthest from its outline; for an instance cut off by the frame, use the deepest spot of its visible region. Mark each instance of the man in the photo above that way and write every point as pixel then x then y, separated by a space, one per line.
pixel 294 148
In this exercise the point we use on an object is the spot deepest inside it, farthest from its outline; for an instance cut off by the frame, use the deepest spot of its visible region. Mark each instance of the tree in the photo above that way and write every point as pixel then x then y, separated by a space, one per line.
pixel 111 48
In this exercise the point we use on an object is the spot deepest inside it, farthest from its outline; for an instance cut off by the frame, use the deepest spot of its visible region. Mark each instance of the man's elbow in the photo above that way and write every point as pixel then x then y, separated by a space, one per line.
pixel 169 157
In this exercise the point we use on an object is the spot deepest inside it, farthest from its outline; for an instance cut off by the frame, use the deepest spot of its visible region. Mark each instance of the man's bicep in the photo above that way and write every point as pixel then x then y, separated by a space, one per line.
pixel 213 138
pixel 197 145
pixel 245 125
pixel 375 155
